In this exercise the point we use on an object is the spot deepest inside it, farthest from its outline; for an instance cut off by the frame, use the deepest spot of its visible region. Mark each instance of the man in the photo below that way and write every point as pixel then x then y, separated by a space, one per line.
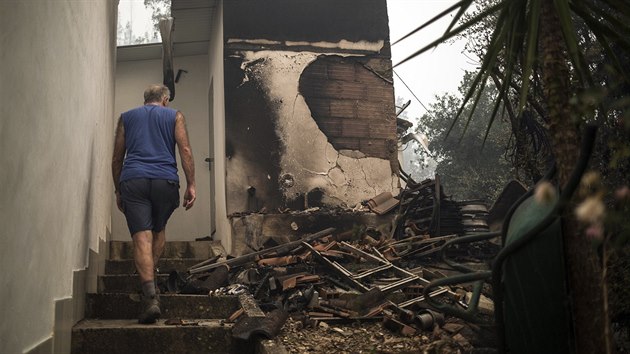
pixel 144 168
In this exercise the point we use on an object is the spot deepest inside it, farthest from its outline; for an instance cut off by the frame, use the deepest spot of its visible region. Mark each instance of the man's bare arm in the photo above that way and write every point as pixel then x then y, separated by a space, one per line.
pixel 188 164
pixel 118 158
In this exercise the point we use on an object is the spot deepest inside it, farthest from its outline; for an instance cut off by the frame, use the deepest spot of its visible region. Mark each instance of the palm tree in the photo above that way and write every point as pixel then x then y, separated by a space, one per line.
pixel 531 35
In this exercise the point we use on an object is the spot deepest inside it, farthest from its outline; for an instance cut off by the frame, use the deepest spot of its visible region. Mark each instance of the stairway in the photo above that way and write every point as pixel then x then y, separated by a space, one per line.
pixel 111 325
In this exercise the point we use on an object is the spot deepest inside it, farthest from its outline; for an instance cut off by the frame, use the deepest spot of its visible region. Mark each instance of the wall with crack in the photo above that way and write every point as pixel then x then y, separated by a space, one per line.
pixel 310 117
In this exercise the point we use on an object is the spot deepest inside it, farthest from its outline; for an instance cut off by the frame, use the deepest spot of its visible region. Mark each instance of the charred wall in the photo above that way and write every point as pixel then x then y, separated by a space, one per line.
pixel 306 20
pixel 252 145
pixel 309 103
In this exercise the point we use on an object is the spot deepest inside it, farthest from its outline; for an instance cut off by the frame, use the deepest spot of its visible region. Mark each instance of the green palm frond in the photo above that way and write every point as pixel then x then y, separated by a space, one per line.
pixel 459 5
pixel 619 6
pixel 515 39
pixel 454 32
pixel 530 56
pixel 462 10
pixel 617 31
pixel 571 41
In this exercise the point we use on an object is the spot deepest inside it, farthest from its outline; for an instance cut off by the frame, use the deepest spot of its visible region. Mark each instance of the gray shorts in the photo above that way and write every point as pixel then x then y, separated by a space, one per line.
pixel 148 203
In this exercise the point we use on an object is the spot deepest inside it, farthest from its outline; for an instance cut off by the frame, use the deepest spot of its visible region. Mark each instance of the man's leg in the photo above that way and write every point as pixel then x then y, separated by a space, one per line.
pixel 159 239
pixel 143 256
pixel 164 199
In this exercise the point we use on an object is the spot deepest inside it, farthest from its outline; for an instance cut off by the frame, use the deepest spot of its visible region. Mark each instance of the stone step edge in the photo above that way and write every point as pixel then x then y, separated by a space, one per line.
pixel 92 324
pixel 161 295
pixel 164 264
pixel 123 250
pixel 247 302
pixel 127 306
pixel 159 275
pixel 161 259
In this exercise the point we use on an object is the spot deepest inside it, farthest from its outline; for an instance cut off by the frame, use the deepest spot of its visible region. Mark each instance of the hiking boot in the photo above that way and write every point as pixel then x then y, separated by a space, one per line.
pixel 150 310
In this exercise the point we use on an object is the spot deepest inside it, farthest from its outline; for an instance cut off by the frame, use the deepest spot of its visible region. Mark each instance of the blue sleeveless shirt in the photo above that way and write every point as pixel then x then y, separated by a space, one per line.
pixel 150 143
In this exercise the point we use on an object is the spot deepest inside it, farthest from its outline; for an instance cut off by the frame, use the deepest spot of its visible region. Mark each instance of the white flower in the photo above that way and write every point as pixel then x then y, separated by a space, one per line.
pixel 591 210
pixel 544 193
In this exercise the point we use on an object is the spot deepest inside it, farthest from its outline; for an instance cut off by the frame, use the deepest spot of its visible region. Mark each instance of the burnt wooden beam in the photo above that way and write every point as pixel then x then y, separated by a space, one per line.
pixel 253 257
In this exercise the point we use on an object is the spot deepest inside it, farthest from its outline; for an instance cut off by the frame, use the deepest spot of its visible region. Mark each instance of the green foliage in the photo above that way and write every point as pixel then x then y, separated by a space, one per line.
pixel 159 9
pixel 468 168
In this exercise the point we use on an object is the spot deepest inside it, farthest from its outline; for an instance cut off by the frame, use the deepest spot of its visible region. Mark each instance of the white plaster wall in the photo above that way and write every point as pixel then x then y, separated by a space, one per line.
pixel 215 55
pixel 191 98
pixel 56 109
pixel 346 177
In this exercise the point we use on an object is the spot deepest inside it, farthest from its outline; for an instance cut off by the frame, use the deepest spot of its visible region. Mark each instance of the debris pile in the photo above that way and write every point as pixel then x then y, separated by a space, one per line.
pixel 455 336
pixel 426 210
pixel 352 281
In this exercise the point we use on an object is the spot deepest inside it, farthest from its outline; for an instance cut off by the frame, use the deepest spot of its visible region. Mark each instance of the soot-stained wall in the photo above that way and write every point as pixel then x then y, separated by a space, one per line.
pixel 252 145
pixel 310 115
pixel 306 20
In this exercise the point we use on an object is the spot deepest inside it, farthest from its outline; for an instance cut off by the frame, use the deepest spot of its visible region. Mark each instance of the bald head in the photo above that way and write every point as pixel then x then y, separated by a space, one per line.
pixel 156 93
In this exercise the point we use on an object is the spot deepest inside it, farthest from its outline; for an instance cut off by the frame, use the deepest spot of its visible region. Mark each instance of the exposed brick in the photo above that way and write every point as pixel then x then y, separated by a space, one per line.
pixel 382 109
pixel 311 88
pixel 318 71
pixel 334 89
pixel 367 75
pixel 354 128
pixel 384 127
pixel 374 147
pixel 342 71
pixel 330 126
pixel 382 132
pixel 345 143
pixel 343 108
pixel 352 105
pixel 346 90
pixel 319 106
pixel 379 92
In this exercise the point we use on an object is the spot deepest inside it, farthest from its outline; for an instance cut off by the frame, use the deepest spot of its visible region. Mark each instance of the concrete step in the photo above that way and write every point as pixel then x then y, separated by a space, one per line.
pixel 123 283
pixel 165 265
pixel 127 336
pixel 173 249
pixel 127 306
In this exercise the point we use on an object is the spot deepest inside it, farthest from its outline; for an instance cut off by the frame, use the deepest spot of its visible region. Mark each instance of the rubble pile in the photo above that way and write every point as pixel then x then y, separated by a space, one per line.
pixel 455 336
pixel 424 209
pixel 357 290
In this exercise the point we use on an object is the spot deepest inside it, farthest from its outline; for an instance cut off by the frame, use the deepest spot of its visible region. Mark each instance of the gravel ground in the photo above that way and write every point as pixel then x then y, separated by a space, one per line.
pixel 454 337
